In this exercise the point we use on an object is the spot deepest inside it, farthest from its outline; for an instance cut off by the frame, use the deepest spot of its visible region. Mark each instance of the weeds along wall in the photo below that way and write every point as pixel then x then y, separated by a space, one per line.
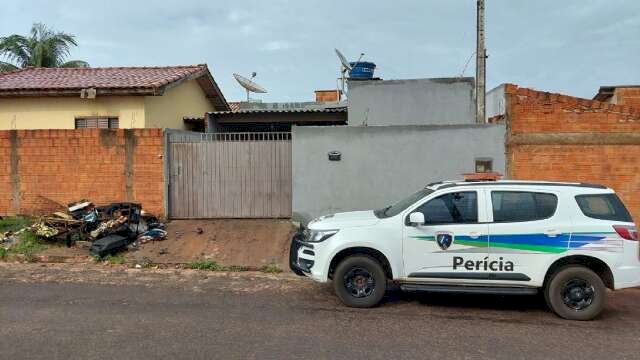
pixel 47 169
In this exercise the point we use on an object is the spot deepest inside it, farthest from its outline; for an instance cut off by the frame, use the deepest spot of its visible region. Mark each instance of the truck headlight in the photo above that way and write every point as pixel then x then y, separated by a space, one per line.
pixel 320 235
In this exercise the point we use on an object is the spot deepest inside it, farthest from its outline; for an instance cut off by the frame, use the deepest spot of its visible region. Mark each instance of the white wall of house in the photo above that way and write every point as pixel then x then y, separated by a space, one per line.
pixel 382 164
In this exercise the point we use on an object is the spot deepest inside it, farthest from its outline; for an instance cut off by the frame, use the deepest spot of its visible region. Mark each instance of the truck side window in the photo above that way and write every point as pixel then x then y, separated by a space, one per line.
pixel 452 208
pixel 603 206
pixel 516 206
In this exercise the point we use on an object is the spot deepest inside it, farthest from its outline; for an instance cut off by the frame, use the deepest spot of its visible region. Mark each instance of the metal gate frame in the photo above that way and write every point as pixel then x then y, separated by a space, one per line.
pixel 272 201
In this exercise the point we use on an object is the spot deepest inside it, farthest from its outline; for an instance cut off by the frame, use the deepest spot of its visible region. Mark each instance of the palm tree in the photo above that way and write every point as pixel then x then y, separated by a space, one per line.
pixel 43 48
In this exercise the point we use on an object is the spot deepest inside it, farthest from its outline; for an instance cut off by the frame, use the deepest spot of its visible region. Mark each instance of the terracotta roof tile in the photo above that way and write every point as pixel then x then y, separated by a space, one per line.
pixel 234 105
pixel 98 78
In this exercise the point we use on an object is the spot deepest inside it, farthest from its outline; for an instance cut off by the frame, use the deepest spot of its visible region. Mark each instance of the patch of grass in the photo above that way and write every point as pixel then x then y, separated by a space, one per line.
pixel 235 268
pixel 114 259
pixel 3 253
pixel 214 266
pixel 205 265
pixel 28 245
pixel 271 269
pixel 14 224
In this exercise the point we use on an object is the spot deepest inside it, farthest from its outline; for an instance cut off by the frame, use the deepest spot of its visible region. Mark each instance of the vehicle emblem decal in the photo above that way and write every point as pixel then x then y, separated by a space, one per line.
pixel 444 239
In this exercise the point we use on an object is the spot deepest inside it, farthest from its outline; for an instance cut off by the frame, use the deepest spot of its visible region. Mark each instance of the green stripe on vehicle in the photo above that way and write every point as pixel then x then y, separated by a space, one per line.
pixel 538 248
pixel 425 238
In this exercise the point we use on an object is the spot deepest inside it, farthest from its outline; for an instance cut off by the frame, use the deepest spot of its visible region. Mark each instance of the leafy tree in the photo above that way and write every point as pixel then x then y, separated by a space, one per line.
pixel 42 48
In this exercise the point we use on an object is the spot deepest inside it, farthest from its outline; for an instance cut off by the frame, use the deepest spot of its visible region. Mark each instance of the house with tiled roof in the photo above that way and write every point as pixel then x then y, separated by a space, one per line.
pixel 113 97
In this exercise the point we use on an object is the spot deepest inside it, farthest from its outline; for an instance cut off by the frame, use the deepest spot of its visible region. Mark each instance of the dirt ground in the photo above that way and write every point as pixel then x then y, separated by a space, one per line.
pixel 58 253
pixel 240 242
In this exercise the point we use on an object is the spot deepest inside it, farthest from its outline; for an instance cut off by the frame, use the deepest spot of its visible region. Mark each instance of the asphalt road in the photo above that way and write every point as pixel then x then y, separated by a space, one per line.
pixel 63 312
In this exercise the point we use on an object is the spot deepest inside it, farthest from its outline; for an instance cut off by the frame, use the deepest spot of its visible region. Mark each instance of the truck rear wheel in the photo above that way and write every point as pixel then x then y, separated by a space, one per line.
pixel 359 281
pixel 575 293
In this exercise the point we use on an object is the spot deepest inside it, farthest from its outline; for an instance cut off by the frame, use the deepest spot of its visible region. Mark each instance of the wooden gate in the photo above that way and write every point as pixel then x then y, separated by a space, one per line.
pixel 229 175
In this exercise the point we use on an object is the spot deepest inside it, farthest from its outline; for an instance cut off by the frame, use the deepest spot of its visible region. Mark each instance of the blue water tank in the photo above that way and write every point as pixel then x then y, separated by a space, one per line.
pixel 362 70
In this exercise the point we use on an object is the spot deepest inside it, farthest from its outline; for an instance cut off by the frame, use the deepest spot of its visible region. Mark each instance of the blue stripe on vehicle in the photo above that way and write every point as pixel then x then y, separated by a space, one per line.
pixel 559 242
pixel 531 239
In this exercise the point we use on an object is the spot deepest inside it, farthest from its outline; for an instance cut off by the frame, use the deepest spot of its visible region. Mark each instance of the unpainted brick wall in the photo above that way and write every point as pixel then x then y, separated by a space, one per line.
pixel 47 169
pixel 628 96
pixel 597 157
pixel 532 111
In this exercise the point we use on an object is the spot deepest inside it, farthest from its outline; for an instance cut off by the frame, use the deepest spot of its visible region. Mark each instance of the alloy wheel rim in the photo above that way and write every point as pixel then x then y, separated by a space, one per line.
pixel 578 294
pixel 359 282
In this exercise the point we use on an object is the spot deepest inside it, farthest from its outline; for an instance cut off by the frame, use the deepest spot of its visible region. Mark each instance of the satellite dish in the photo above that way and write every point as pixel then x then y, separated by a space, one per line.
pixel 343 60
pixel 249 85
pixel 346 67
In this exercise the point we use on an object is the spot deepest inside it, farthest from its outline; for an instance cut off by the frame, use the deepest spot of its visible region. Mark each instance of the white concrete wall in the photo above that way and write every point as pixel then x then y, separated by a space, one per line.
pixel 495 102
pixel 383 164
pixel 411 102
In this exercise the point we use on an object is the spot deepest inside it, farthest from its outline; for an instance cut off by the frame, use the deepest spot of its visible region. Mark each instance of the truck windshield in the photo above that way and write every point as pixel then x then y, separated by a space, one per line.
pixel 400 206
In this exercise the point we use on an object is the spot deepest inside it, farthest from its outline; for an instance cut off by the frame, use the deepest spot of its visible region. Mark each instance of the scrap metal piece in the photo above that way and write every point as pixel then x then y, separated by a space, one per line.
pixel 43 230
pixel 82 204
pixel 108 226
pixel 108 245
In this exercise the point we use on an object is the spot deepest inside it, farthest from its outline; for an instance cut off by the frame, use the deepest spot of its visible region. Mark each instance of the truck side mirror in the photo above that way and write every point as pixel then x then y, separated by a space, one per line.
pixel 416 219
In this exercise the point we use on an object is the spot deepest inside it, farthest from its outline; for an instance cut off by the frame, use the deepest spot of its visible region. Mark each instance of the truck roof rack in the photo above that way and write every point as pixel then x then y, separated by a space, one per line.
pixel 516 183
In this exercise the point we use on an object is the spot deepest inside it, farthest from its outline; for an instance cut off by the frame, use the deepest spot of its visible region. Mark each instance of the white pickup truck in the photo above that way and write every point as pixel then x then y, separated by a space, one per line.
pixel 570 240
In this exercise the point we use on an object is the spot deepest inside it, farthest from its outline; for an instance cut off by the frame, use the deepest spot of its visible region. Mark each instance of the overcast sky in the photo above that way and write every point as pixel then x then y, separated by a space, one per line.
pixel 564 46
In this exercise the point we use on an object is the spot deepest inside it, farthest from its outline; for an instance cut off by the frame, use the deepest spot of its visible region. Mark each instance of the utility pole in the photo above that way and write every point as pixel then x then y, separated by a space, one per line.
pixel 481 63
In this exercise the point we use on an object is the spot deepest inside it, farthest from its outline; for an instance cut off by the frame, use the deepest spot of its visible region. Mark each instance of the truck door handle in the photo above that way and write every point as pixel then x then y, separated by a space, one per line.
pixel 474 234
pixel 552 233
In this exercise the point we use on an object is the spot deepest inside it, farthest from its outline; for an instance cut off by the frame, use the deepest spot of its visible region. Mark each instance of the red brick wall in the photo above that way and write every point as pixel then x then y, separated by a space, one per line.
pixel 532 111
pixel 45 169
pixel 613 165
pixel 628 96
pixel 327 95
pixel 558 137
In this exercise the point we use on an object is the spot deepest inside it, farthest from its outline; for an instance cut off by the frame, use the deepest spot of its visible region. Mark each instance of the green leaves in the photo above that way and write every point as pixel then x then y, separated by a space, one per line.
pixel 5 66
pixel 42 48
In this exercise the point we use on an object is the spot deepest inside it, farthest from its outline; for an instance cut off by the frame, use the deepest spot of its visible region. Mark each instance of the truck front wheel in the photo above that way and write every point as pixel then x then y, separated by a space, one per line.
pixel 575 293
pixel 359 281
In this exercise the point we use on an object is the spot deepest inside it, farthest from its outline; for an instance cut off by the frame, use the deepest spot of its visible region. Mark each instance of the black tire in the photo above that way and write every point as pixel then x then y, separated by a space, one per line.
pixel 575 292
pixel 367 279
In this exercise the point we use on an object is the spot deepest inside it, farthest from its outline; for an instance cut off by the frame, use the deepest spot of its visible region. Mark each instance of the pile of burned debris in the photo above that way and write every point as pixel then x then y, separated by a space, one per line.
pixel 109 228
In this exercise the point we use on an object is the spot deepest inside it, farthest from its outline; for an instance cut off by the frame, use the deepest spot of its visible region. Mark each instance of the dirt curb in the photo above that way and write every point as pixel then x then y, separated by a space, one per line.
pixel 88 260
pixel 233 244
pixel 122 274
pixel 50 259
